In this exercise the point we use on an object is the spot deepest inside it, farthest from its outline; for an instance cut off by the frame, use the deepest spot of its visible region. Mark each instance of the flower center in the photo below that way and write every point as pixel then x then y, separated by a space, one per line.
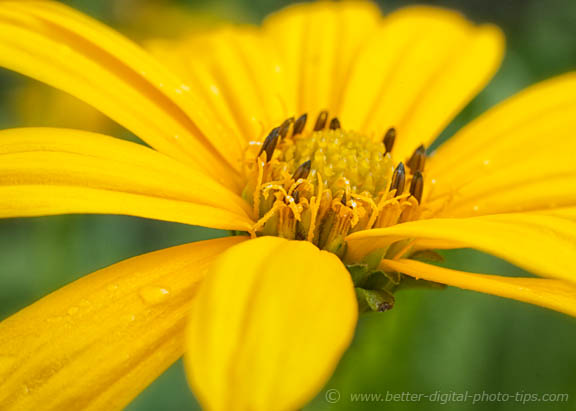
pixel 324 182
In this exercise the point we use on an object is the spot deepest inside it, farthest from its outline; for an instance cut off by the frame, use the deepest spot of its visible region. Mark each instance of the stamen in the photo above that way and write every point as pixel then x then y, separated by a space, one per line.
pixel 296 196
pixel 389 139
pixel 335 124
pixel 398 179
pixel 285 127
pixel 302 171
pixel 321 185
pixel 417 186
pixel 269 144
pixel 299 124
pixel 321 121
pixel 416 162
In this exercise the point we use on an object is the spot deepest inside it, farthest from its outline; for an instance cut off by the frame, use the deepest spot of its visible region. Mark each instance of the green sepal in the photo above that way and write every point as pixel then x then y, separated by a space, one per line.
pixel 380 280
pixel 427 256
pixel 374 300
pixel 359 273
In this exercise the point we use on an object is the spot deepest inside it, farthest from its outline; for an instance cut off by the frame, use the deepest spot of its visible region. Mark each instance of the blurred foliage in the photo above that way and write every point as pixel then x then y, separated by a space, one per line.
pixel 446 341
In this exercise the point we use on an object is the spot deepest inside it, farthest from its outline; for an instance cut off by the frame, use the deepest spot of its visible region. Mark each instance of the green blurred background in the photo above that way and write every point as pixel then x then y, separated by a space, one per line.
pixel 449 341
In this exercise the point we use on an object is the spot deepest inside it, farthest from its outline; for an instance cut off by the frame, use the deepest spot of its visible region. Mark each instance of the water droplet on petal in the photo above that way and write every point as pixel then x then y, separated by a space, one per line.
pixel 154 295
pixel 72 310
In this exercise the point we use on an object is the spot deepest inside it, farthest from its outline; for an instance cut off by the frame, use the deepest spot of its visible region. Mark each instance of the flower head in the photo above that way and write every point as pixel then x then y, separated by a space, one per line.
pixel 313 139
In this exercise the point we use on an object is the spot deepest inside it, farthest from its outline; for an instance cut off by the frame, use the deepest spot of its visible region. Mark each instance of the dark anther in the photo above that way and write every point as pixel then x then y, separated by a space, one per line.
pixel 398 179
pixel 321 121
pixel 269 144
pixel 285 127
pixel 416 162
pixel 335 124
pixel 343 200
pixel 300 124
pixel 417 186
pixel 296 196
pixel 389 139
pixel 302 171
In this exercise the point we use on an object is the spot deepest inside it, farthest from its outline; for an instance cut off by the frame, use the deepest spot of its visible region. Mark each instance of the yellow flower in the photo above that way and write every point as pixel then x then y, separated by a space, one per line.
pixel 309 128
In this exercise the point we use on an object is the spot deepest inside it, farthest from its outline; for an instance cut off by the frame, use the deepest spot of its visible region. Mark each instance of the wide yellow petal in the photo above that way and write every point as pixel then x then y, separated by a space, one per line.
pixel 542 244
pixel 269 325
pixel 553 294
pixel 516 157
pixel 238 74
pixel 417 72
pixel 59 46
pixel 96 343
pixel 65 169
pixel 255 78
pixel 318 44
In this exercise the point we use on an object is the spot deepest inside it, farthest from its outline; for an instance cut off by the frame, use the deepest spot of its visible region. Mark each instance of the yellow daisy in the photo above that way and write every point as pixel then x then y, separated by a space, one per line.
pixel 308 134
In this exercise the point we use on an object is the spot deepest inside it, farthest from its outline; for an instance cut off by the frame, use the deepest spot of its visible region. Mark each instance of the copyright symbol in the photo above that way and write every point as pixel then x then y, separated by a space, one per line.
pixel 332 396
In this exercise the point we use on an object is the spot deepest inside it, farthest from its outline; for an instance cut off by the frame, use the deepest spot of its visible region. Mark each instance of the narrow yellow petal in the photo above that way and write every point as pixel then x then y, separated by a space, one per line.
pixel 417 72
pixel 269 326
pixel 66 168
pixel 542 244
pixel 96 343
pixel 516 157
pixel 63 48
pixel 553 294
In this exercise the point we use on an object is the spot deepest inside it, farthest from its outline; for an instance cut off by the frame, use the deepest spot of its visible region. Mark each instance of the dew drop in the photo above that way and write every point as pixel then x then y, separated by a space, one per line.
pixel 486 162
pixel 154 295
pixel 214 89
pixel 130 317
pixel 73 310
pixel 475 208
pixel 185 87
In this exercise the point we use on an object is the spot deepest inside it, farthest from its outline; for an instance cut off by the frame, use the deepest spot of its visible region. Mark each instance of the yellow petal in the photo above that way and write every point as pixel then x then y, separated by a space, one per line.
pixel 417 72
pixel 61 47
pixel 318 43
pixel 65 169
pixel 516 157
pixel 96 343
pixel 256 78
pixel 238 73
pixel 269 326
pixel 542 244
pixel 554 294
